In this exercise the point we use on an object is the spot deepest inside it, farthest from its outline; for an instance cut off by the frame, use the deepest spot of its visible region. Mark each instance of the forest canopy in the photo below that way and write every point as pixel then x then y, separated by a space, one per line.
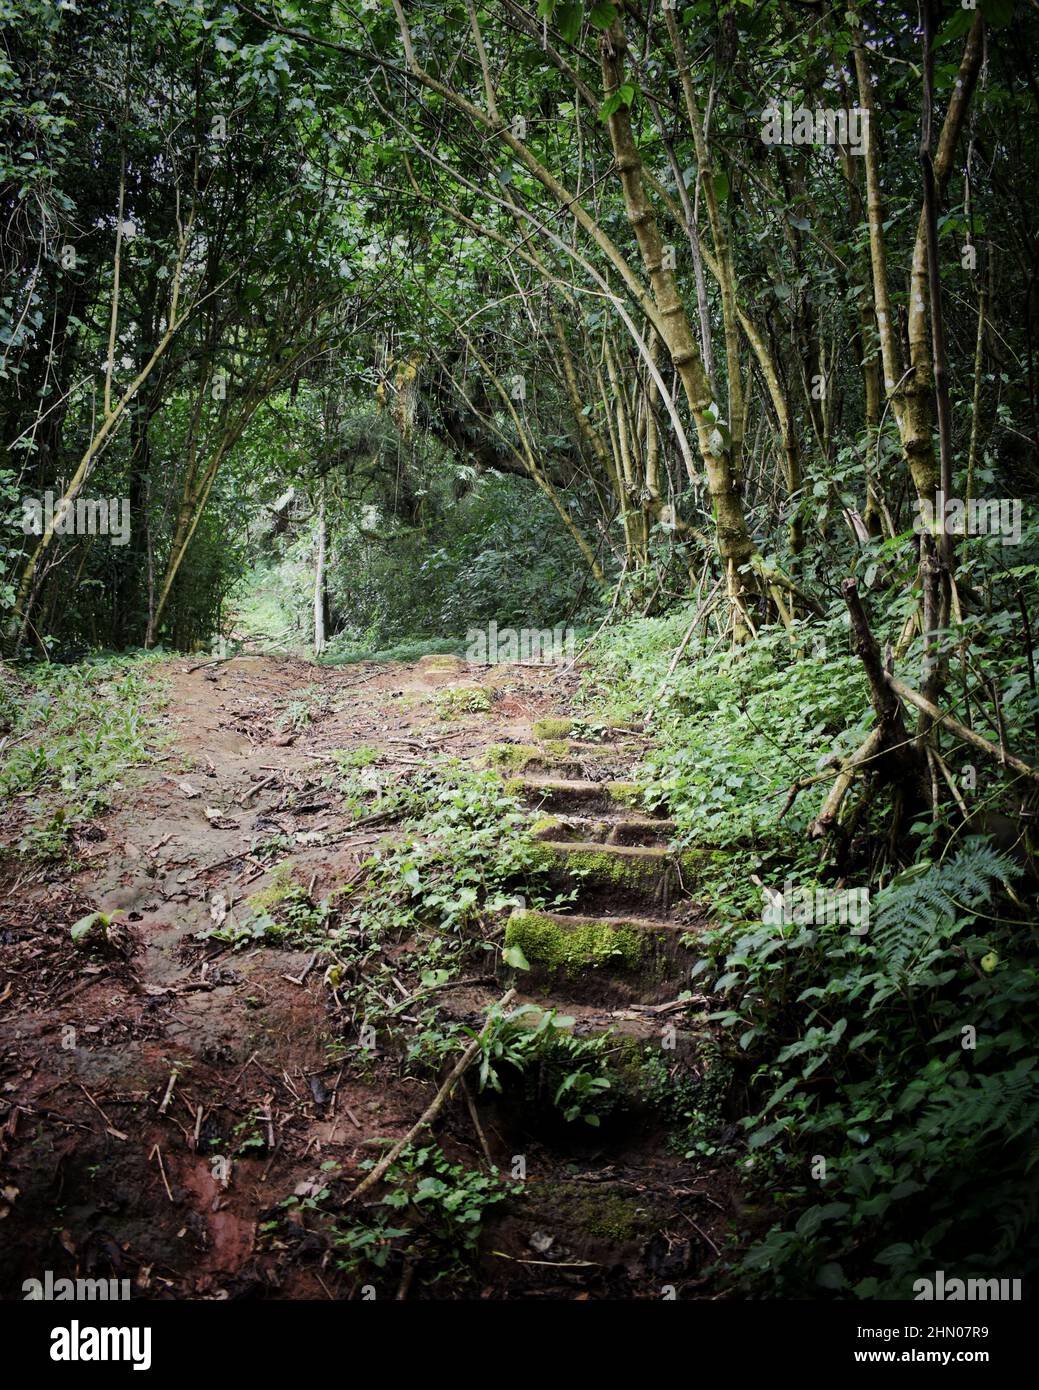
pixel 565 264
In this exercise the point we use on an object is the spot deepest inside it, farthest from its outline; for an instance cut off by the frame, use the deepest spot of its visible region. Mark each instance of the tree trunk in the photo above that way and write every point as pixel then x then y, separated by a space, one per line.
pixel 319 574
pixel 735 546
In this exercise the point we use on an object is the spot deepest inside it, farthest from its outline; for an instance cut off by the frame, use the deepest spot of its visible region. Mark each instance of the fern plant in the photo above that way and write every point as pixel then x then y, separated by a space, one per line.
pixel 897 1066
pixel 925 908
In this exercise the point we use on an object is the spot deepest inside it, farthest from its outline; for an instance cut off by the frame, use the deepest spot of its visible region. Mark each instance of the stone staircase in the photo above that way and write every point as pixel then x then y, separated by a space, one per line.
pixel 617 1204
pixel 614 959
pixel 619 942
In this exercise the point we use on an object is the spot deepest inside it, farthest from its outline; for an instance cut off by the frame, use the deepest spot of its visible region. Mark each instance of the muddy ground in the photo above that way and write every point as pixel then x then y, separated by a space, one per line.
pixel 124 1071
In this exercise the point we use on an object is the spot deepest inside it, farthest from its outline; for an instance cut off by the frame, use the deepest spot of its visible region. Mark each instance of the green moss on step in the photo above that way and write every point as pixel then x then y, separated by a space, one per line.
pixel 552 728
pixel 603 867
pixel 443 661
pixel 545 825
pixel 611 1216
pixel 557 747
pixel 633 1064
pixel 633 870
pixel 513 756
pixel 526 757
pixel 624 793
pixel 572 949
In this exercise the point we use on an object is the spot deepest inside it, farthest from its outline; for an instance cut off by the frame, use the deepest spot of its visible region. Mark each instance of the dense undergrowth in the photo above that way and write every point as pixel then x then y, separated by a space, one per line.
pixel 883 1074
pixel 70 734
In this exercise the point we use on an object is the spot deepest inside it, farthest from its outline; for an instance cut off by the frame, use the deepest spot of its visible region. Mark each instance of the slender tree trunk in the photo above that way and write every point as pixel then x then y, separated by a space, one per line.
pixel 735 546
pixel 911 390
pixel 319 574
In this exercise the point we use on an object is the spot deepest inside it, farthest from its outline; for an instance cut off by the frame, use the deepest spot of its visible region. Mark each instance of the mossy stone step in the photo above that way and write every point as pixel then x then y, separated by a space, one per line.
pixel 515 759
pixel 618 958
pixel 440 664
pixel 641 830
pixel 622 876
pixel 554 726
pixel 591 750
pixel 631 830
pixel 642 1022
pixel 563 794
pixel 638 1010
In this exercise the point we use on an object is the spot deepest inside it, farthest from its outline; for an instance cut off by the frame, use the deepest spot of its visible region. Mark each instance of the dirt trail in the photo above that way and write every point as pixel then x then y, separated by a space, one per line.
pixel 121 1075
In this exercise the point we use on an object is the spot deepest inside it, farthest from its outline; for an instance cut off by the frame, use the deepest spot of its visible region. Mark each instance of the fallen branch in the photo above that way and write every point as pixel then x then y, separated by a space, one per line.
pixel 850 769
pixel 431 1111
pixel 169 1092
pixel 157 1152
pixel 961 731
pixel 258 787
pixel 433 989
pixel 474 1116
pixel 221 661
pixel 553 1264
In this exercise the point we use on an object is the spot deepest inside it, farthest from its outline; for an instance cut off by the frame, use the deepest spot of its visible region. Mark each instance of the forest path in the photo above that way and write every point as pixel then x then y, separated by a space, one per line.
pixel 129 1073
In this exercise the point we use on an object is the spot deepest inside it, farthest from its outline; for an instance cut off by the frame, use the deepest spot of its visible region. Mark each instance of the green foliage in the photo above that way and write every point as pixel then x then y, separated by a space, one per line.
pixel 93 927
pixel 868 1112
pixel 283 914
pixel 347 759
pixel 462 699
pixel 735 728
pixel 415 350
pixel 343 651
pixel 299 712
pixel 573 949
pixel 901 1064
pixel 570 1069
pixel 467 851
pixel 247 1136
pixel 75 733
pixel 402 587
pixel 464 857
pixel 436 1210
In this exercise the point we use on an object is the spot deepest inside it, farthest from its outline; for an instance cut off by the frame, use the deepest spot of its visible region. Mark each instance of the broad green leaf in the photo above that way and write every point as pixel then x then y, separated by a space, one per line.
pixel 94 924
pixel 603 15
pixel 568 22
